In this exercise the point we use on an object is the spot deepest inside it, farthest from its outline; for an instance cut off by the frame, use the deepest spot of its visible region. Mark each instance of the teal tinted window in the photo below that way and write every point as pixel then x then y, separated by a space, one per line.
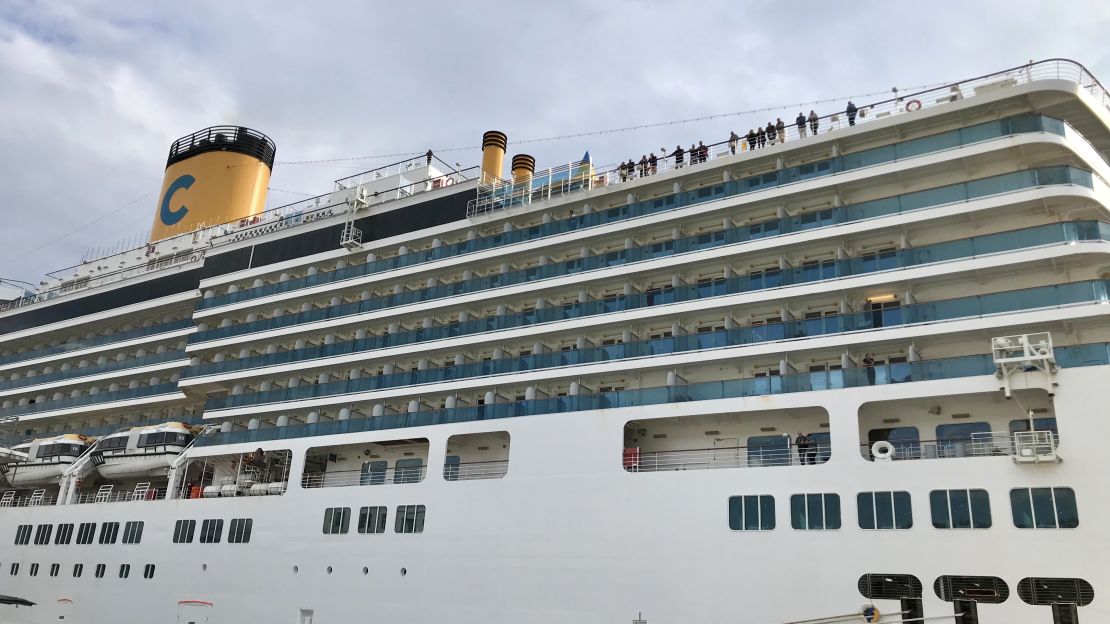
pixel 815 512
pixel 960 509
pixel 751 513
pixel 1044 508
pixel 884 510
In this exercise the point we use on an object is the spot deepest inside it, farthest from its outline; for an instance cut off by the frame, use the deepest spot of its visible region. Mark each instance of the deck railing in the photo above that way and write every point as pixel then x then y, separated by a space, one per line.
pixel 582 176
pixel 980 444
pixel 789 454
pixel 345 478
pixel 151 494
pixel 468 471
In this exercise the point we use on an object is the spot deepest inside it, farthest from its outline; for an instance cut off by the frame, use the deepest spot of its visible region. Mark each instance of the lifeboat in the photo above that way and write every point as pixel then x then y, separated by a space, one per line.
pixel 142 451
pixel 46 459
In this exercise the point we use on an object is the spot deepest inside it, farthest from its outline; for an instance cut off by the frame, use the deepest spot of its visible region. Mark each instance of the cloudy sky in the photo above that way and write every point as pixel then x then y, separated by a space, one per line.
pixel 92 93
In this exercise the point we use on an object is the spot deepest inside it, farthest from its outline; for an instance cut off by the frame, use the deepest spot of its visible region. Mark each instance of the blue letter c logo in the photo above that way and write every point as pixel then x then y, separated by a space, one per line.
pixel 168 216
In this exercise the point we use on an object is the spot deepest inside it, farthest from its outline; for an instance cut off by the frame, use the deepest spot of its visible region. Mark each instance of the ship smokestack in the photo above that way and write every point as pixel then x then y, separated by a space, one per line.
pixel 216 175
pixel 523 168
pixel 493 155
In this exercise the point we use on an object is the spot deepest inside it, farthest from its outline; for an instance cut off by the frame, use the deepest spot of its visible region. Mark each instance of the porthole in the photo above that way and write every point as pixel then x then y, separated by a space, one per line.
pixel 204 567
pixel 296 569
pixel 404 571
pixel 329 570
pixel 365 571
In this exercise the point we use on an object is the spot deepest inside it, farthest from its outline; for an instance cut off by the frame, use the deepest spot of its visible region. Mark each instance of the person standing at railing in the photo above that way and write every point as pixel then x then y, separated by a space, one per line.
pixel 780 129
pixel 429 156
pixel 771 133
pixel 643 166
pixel 623 171
pixel 801 123
pixel 752 137
pixel 761 137
pixel 869 365
pixel 693 154
pixel 653 163
pixel 851 112
pixel 803 444
pixel 703 152
pixel 679 155
pixel 813 121
pixel 732 141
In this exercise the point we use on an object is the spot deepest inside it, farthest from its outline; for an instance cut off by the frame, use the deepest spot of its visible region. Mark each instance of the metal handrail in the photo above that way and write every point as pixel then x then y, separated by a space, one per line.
pixel 468 471
pixel 152 494
pixel 345 478
pixel 979 444
pixel 789 454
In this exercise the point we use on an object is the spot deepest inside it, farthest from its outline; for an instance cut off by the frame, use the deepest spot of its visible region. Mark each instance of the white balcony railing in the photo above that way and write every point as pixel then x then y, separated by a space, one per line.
pixel 724 457
pixel 345 478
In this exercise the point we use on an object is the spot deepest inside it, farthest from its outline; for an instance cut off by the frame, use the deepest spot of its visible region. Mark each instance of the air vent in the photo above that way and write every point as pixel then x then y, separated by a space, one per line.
pixel 766 429
pixel 1046 591
pixel 712 432
pixel 985 589
pixel 889 586
pixel 891 421
pixel 961 416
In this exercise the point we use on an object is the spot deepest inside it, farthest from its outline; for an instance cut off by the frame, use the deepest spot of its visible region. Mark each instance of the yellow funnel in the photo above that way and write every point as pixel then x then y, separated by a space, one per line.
pixel 217 175
pixel 493 155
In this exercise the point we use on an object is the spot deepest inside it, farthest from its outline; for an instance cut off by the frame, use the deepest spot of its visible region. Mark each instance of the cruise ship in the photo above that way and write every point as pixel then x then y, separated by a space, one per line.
pixel 851 373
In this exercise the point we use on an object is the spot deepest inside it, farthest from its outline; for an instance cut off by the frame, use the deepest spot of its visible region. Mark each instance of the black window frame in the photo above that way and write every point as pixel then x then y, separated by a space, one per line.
pixel 23 534
pixel 148 571
pixel 109 533
pixel 211 530
pixel 133 532
pixel 874 515
pixel 741 505
pixel 239 530
pixel 86 533
pixel 124 570
pixel 64 534
pixel 55 568
pixel 1055 494
pixel 825 507
pixel 183 531
pixel 403 518
pixel 43 533
pixel 78 570
pixel 337 520
pixel 943 507
pixel 100 570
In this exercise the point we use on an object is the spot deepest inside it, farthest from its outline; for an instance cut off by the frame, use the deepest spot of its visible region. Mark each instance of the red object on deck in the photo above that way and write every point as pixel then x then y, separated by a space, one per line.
pixel 632 457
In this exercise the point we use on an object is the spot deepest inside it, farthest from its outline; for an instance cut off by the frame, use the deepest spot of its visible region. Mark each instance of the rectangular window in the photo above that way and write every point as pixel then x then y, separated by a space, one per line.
pixel 64 534
pixel 211 531
pixel 85 532
pixel 240 530
pixel 109 531
pixel 183 531
pixel 884 510
pixel 34 569
pixel 23 535
pixel 751 513
pixel 371 520
pixel 815 512
pixel 148 571
pixel 42 534
pixel 54 569
pixel 337 520
pixel 100 569
pixel 124 570
pixel 960 509
pixel 1044 508
pixel 78 570
pixel 14 569
pixel 133 532
pixel 410 519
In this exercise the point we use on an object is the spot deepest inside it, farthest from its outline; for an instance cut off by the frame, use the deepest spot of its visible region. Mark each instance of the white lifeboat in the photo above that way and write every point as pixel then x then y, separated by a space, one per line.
pixel 142 451
pixel 46 459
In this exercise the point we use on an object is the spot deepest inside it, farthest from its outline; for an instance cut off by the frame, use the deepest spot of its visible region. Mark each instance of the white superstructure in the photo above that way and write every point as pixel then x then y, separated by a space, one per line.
pixel 858 375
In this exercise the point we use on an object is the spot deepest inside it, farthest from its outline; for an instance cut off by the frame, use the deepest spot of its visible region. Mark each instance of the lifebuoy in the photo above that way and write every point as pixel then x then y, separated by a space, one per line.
pixel 913 105
pixel 870 613
pixel 450 181
pixel 882 450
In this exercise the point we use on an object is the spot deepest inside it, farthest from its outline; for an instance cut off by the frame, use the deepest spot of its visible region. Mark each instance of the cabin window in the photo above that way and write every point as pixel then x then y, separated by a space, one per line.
pixel 183 531
pixel 371 520
pixel 1044 508
pixel 410 519
pixel 85 532
pixel 884 510
pixel 109 531
pixel 815 512
pixel 42 534
pixel 100 569
pixel 54 569
pixel 124 570
pixel 14 569
pixel 23 535
pixel 133 532
pixel 148 571
pixel 34 571
pixel 337 520
pixel 211 530
pixel 239 532
pixel 751 513
pixel 960 509
pixel 64 534
pixel 78 570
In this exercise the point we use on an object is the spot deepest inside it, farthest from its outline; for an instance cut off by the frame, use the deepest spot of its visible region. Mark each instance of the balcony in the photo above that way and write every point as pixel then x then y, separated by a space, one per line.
pixel 345 478
pixel 1034 298
pixel 891 153
pixel 725 457
pixel 76 373
pixel 1093 354
pixel 97 341
pixel 91 399
pixel 1021 446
